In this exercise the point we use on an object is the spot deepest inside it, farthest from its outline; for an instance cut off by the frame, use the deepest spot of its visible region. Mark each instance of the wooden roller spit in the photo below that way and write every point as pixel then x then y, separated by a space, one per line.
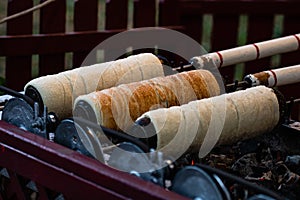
pixel 58 91
pixel 276 77
pixel 248 52
pixel 118 107
pixel 200 125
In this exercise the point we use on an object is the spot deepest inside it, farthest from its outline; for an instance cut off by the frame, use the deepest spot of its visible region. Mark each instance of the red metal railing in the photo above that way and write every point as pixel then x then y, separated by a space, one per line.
pixel 54 168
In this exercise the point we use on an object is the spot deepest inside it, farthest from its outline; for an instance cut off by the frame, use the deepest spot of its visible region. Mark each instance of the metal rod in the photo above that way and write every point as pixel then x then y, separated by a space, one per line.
pixel 113 133
pixel 232 87
pixel 19 14
pixel 293 101
pixel 183 67
pixel 16 94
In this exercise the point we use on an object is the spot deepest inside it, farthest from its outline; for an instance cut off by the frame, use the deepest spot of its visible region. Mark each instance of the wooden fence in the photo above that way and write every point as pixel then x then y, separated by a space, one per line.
pixel 221 32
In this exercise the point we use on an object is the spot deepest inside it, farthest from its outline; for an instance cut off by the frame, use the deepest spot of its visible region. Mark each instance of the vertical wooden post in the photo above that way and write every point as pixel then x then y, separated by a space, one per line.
pixel 169 13
pixel 222 39
pixel 52 20
pixel 85 19
pixel 18 68
pixel 116 18
pixel 144 13
pixel 116 14
pixel 291 26
pixel 144 16
pixel 260 28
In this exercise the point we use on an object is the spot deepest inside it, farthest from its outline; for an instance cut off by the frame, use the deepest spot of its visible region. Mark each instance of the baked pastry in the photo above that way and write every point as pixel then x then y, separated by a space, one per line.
pixel 58 91
pixel 200 125
pixel 118 107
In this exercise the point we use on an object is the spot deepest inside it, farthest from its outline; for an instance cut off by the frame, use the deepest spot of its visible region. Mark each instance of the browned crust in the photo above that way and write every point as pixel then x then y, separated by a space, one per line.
pixel 263 78
pixel 142 98
pixel 149 95
pixel 161 92
pixel 105 110
pixel 198 83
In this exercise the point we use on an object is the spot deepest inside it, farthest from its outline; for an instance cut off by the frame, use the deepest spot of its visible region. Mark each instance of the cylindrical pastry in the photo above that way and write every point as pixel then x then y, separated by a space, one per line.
pixel 118 107
pixel 58 91
pixel 275 77
pixel 200 125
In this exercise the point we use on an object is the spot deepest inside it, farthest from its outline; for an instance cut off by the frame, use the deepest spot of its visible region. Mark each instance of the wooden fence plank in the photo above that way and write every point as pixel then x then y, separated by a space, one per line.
pixel 116 18
pixel 18 68
pixel 240 7
pixel 47 44
pixel 260 28
pixel 85 19
pixel 291 26
pixel 52 20
pixel 116 14
pixel 144 13
pixel 224 36
pixel 169 13
pixel 144 16
pixel 193 25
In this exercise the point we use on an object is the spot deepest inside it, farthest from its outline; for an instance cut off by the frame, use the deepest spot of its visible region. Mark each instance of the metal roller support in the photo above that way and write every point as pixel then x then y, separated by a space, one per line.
pixel 78 138
pixel 195 183
pixel 25 113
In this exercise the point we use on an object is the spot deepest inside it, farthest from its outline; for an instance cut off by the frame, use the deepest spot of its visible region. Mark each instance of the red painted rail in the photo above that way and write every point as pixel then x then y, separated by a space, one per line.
pixel 54 168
